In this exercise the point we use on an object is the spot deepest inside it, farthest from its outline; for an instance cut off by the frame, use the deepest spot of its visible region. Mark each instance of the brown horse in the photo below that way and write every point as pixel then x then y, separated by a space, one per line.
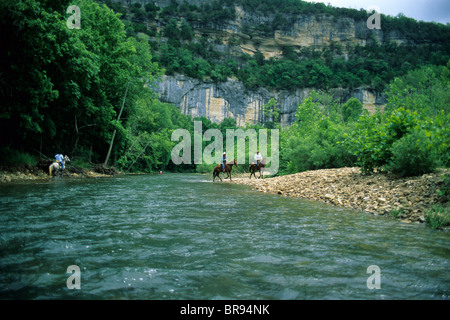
pixel 260 167
pixel 228 168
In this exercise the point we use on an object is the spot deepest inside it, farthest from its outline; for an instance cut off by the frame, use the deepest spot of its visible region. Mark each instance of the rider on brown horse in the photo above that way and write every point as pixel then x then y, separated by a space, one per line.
pixel 258 158
pixel 219 168
pixel 224 161
pixel 258 166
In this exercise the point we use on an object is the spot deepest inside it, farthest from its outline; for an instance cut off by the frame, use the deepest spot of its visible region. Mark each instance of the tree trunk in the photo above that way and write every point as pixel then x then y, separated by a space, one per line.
pixel 138 156
pixel 114 133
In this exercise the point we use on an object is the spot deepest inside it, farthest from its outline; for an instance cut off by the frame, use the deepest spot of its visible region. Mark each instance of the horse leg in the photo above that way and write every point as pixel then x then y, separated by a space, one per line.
pixel 216 174
pixel 225 172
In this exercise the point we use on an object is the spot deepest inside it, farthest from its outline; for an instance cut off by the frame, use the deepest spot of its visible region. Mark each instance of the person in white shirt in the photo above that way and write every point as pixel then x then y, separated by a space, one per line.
pixel 258 158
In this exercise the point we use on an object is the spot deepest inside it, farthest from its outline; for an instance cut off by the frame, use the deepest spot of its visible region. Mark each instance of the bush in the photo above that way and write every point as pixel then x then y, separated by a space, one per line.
pixel 368 143
pixel 352 109
pixel 150 7
pixel 375 136
pixel 412 155
pixel 296 154
pixel 444 191
pixel 438 217
pixel 439 128
pixel 205 168
pixel 13 157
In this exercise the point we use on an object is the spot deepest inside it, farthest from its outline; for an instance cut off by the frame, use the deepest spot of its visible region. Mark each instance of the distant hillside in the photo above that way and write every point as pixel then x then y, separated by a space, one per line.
pixel 312 45
pixel 226 59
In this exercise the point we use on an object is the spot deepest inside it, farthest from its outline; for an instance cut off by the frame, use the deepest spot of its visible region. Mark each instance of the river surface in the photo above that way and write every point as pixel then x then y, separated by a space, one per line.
pixel 180 236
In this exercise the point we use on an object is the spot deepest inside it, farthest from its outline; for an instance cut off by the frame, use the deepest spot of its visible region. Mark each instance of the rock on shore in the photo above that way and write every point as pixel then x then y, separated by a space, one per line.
pixel 380 194
pixel 27 172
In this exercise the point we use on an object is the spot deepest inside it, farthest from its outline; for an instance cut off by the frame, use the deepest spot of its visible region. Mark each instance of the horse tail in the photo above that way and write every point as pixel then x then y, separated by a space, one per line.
pixel 50 169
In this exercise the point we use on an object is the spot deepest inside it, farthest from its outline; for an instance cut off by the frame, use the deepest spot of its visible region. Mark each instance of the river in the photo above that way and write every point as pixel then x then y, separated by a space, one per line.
pixel 180 236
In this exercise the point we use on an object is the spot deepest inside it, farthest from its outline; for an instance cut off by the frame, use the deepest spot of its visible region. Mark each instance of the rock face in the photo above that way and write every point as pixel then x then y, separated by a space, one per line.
pixel 310 31
pixel 230 99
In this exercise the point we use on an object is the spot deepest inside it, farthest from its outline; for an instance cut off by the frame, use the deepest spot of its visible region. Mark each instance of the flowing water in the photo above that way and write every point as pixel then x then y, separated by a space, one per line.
pixel 180 236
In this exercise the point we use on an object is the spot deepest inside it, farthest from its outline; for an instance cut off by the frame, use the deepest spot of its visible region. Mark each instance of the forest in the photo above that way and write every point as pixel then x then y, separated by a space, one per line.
pixel 82 91
pixel 375 64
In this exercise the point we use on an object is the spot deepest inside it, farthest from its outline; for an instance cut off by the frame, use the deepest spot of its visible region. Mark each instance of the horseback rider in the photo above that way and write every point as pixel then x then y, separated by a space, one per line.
pixel 258 158
pixel 224 161
pixel 60 159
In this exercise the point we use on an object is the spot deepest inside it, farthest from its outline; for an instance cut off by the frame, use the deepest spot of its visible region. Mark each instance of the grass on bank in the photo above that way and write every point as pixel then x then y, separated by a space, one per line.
pixel 438 217
pixel 11 157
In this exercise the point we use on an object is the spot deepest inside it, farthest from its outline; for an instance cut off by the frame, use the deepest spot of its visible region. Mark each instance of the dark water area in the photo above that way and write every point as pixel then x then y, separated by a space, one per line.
pixel 180 236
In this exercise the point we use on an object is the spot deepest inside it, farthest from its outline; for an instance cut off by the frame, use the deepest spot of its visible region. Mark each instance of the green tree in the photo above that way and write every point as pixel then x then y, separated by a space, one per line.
pixel 30 54
pixel 314 141
pixel 412 136
pixel 352 109
pixel 186 32
pixel 63 88
pixel 271 114
pixel 412 155
pixel 171 30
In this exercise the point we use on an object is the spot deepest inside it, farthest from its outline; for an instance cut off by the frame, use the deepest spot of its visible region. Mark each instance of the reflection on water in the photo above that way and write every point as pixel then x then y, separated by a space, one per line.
pixel 179 236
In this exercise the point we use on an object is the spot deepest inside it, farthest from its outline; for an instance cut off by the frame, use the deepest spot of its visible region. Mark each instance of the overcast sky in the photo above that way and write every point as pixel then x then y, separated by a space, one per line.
pixel 426 10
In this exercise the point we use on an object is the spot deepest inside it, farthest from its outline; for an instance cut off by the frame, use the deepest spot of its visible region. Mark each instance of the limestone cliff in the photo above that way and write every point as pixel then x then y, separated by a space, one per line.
pixel 230 99
pixel 217 101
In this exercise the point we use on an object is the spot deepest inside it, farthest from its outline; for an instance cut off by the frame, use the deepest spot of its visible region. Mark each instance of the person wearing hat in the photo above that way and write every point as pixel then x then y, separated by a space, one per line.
pixel 224 161
pixel 258 158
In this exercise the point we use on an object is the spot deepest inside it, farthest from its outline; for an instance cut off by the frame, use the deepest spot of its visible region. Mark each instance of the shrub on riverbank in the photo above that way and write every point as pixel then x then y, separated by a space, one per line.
pixel 438 217
pixel 410 138
pixel 313 141
pixel 413 155
pixel 11 157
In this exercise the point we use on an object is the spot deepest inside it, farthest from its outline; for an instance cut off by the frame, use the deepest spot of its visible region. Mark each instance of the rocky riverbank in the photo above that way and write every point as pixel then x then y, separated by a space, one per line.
pixel 28 172
pixel 381 194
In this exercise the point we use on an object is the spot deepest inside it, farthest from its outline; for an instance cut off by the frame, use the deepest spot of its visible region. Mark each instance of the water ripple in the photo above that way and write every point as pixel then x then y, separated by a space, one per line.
pixel 178 236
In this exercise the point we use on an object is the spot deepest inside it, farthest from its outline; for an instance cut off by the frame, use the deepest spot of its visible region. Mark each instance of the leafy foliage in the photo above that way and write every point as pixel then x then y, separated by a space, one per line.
pixel 202 56
pixel 411 155
pixel 407 141
pixel 314 141
pixel 410 138
pixel 62 88
pixel 352 110
pixel 438 217
pixel 271 113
